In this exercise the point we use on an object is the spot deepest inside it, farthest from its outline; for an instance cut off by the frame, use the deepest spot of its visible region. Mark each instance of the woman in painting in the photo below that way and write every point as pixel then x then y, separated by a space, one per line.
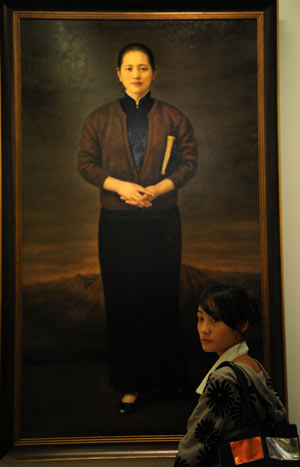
pixel 224 315
pixel 140 151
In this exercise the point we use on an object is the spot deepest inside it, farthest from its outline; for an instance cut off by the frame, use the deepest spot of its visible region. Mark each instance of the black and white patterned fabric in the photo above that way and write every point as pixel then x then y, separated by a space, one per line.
pixel 219 410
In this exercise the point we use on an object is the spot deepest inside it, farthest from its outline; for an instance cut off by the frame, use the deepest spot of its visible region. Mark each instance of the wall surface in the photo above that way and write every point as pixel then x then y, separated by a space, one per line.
pixel 289 44
pixel 289 93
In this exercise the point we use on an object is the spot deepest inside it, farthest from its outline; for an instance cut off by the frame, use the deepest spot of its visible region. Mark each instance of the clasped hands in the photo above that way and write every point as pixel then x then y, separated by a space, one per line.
pixel 137 195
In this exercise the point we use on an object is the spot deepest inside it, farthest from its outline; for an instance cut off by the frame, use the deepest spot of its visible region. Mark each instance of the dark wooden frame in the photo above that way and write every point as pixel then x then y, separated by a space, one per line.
pixel 12 448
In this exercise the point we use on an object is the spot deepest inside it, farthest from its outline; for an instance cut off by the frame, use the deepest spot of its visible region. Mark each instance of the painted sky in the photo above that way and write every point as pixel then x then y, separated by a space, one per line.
pixel 206 68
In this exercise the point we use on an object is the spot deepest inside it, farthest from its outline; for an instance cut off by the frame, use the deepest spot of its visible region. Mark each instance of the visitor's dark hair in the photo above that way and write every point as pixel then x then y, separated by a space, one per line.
pixel 136 46
pixel 231 304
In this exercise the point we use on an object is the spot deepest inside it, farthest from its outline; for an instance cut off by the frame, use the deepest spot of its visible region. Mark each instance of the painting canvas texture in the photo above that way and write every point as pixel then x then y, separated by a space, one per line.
pixel 208 69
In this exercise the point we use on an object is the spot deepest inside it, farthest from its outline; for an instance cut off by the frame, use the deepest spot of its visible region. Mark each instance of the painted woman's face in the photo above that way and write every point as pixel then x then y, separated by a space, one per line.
pixel 136 73
pixel 215 335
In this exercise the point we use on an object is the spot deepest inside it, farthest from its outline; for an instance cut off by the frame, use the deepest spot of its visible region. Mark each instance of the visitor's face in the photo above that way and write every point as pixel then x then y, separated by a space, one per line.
pixel 136 73
pixel 215 336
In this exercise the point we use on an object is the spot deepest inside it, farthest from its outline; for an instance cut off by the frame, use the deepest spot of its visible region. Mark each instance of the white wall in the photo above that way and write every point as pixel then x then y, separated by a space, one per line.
pixel 289 52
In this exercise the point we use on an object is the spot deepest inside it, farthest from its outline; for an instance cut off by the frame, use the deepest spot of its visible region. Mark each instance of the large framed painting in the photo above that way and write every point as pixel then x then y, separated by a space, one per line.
pixel 218 66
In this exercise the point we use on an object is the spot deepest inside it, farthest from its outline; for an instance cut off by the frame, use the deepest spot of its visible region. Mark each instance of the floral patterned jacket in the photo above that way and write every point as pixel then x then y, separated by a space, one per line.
pixel 219 411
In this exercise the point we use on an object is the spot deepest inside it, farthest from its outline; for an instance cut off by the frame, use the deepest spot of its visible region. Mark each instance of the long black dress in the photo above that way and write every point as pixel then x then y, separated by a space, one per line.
pixel 140 256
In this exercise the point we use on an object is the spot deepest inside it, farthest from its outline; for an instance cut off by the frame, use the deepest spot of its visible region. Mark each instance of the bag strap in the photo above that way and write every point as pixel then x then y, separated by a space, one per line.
pixel 248 414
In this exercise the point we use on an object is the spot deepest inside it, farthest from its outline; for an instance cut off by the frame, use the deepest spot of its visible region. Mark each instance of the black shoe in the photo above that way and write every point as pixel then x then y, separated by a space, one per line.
pixel 126 408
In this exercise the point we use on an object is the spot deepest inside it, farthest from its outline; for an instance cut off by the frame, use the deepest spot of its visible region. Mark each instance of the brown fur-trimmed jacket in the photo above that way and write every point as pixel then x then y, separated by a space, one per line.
pixel 104 151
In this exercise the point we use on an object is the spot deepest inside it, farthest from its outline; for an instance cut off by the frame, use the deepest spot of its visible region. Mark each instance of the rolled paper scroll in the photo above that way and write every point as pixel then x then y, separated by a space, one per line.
pixel 170 142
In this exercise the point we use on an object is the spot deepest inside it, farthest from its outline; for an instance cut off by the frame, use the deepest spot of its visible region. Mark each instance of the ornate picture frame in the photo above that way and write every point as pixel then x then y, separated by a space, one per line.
pixel 230 95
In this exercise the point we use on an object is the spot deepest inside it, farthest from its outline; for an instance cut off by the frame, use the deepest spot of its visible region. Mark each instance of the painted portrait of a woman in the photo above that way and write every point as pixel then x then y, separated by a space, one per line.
pixel 140 188
pixel 140 151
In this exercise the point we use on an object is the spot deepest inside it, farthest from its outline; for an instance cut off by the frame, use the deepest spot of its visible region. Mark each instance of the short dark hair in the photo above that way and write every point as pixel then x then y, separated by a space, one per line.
pixel 231 304
pixel 136 46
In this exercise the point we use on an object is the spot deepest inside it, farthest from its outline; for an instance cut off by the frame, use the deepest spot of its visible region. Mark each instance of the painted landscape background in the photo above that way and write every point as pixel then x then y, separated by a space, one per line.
pixel 66 353
pixel 206 68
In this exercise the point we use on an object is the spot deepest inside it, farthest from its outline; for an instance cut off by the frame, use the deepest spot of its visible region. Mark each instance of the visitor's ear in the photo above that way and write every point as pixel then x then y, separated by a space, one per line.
pixel 244 327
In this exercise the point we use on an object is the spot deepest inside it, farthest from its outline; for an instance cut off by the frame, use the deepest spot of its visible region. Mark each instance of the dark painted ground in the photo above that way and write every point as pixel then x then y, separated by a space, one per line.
pixel 76 400
pixel 65 390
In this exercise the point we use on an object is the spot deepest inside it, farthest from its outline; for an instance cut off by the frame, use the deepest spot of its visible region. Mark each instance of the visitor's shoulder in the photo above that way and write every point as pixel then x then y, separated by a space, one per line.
pixel 224 373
